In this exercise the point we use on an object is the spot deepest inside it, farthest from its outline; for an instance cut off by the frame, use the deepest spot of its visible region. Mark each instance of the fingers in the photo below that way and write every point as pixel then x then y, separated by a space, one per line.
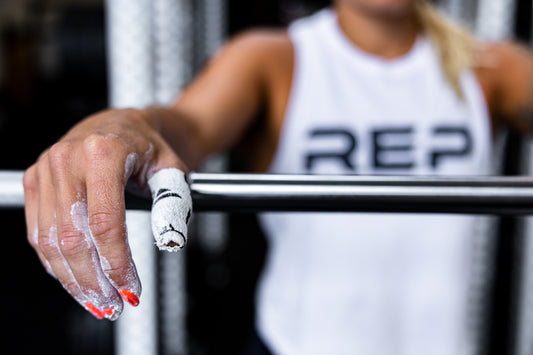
pixel 76 238
pixel 47 241
pixel 106 218
pixel 69 252
pixel 78 248
pixel 31 200
pixel 95 273
pixel 75 211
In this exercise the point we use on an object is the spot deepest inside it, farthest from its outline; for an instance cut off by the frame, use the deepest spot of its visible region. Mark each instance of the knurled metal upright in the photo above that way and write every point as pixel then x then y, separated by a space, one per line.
pixel 476 16
pixel 525 303
pixel 215 23
pixel 173 65
pixel 131 83
pixel 173 47
pixel 130 59
pixel 461 11
pixel 212 228
pixel 495 19
pixel 496 22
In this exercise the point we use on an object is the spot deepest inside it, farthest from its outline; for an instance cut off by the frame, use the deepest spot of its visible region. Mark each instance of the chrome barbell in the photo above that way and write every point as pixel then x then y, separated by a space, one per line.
pixel 336 193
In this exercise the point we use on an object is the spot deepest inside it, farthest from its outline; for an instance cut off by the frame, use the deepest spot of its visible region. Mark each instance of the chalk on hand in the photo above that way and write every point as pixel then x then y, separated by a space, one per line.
pixel 171 208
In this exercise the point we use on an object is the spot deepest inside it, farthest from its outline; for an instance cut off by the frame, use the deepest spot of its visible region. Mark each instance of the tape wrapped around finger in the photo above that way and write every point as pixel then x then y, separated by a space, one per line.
pixel 171 208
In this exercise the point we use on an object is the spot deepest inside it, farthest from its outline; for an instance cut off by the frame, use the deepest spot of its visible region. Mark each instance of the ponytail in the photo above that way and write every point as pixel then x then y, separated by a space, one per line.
pixel 455 45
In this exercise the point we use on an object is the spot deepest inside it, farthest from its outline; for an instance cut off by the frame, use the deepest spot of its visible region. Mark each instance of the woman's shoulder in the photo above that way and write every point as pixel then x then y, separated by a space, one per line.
pixel 502 63
pixel 261 41
pixel 501 56
pixel 505 71
pixel 266 49
pixel 270 49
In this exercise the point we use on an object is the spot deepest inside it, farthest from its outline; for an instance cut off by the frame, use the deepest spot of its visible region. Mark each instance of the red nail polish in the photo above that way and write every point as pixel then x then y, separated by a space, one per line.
pixel 130 297
pixel 109 311
pixel 94 311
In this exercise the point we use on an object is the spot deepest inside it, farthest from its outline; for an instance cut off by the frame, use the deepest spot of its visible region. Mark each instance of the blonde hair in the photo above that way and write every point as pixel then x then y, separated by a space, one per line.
pixel 455 45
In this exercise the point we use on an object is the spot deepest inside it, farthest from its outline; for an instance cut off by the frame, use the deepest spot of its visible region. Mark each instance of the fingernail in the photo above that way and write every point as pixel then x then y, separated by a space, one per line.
pixel 130 297
pixel 106 313
pixel 94 311
pixel 109 312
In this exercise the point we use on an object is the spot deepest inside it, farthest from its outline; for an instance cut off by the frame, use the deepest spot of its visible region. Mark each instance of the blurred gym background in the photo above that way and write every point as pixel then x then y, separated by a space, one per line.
pixel 54 70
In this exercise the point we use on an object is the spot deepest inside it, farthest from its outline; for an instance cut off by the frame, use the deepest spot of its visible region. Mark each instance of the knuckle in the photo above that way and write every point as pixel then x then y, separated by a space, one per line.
pixel 29 180
pixel 98 146
pixel 118 271
pixel 123 274
pixel 125 116
pixel 32 239
pixel 71 286
pixel 102 225
pixel 71 242
pixel 47 244
pixel 59 155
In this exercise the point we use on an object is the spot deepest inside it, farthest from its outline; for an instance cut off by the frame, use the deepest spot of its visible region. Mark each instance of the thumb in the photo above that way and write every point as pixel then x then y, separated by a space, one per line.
pixel 171 208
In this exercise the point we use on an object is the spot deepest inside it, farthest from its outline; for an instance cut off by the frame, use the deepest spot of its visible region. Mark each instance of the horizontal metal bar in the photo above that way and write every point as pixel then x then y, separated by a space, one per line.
pixel 464 195
pixel 337 193
pixel 11 189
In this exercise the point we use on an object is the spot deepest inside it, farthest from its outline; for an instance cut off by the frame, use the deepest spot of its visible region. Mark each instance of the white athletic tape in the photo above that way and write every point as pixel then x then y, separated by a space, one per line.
pixel 171 208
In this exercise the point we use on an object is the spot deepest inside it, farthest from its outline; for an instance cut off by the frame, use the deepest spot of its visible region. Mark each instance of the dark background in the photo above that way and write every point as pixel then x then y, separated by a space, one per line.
pixel 52 74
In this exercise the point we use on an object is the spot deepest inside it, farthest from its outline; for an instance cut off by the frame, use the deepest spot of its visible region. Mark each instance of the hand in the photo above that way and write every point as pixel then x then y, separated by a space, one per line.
pixel 75 212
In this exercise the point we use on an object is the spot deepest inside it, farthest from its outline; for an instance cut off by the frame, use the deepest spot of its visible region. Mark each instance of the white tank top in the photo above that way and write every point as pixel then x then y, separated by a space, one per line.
pixel 371 283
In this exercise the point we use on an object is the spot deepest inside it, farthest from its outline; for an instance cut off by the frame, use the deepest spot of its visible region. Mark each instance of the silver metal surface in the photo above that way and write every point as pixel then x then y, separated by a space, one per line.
pixel 131 80
pixel 267 192
pixel 495 19
pixel 524 309
pixel 257 192
pixel 173 34
pixel 11 189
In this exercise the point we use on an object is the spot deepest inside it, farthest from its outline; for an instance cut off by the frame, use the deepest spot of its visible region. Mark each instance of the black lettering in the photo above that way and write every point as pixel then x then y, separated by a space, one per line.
pixel 343 156
pixel 402 158
pixel 462 133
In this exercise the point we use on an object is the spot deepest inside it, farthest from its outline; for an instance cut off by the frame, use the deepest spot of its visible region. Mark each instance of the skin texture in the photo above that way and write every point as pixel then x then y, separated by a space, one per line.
pixel 219 109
